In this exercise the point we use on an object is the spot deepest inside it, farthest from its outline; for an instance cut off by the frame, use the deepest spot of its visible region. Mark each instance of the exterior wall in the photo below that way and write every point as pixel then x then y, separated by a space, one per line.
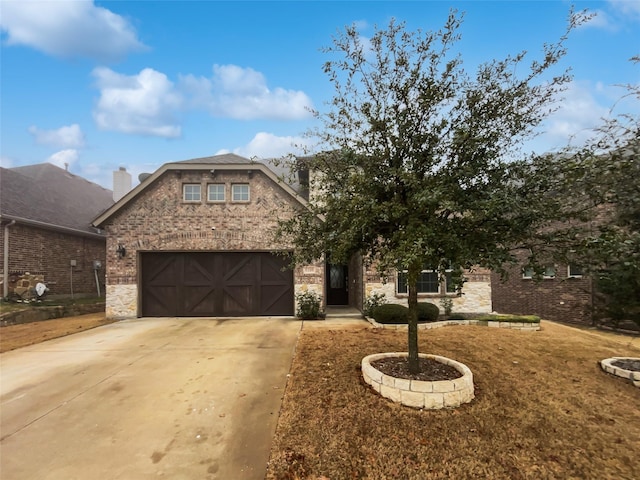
pixel 48 254
pixel 158 219
pixel 475 296
pixel 561 298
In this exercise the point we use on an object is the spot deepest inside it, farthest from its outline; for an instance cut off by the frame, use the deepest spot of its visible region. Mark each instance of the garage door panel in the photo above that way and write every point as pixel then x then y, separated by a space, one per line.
pixel 237 301
pixel 215 284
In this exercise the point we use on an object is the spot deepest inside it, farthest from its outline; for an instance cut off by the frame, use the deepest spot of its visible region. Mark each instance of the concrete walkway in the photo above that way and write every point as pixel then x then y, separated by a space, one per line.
pixel 146 398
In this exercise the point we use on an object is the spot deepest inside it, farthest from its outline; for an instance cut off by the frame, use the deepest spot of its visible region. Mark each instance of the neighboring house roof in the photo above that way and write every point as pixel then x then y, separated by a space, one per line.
pixel 228 161
pixel 47 196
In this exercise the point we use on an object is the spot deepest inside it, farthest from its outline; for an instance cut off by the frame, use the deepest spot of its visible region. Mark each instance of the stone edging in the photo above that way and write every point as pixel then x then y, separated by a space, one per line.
pixel 529 327
pixel 37 314
pixel 417 393
pixel 607 366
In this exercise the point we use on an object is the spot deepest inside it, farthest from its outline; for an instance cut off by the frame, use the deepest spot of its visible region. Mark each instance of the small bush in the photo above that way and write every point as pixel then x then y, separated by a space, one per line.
pixel 456 316
pixel 390 313
pixel 510 318
pixel 427 312
pixel 308 305
pixel 372 301
pixel 447 305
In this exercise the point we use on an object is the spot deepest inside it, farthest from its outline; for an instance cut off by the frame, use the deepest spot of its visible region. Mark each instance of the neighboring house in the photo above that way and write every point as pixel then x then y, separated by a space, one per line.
pixel 46 232
pixel 564 294
pixel 195 238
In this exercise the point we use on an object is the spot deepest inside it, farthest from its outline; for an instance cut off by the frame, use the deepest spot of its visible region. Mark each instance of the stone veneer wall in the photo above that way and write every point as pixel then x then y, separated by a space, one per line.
pixel 475 297
pixel 159 220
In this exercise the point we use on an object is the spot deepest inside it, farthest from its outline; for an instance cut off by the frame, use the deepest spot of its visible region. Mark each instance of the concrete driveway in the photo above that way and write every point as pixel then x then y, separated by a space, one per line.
pixel 175 398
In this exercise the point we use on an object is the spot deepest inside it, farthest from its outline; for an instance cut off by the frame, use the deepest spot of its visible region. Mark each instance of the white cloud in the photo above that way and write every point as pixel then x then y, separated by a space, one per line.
pixel 628 8
pixel 64 158
pixel 242 93
pixel 582 109
pixel 145 103
pixel 6 162
pixel 66 137
pixel 69 29
pixel 268 145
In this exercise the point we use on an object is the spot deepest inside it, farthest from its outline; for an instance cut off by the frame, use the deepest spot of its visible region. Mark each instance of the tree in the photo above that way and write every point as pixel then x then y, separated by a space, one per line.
pixel 421 163
pixel 602 177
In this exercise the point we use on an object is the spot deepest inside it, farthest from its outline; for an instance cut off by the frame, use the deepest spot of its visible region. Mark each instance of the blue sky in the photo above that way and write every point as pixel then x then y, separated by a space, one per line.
pixel 135 84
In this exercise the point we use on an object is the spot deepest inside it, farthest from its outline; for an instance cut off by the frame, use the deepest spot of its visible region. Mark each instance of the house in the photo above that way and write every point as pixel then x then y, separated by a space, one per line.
pixel 195 238
pixel 46 231
pixel 563 294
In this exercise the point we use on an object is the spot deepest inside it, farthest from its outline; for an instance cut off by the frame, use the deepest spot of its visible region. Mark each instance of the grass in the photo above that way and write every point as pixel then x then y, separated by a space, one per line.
pixel 8 306
pixel 543 410
pixel 17 336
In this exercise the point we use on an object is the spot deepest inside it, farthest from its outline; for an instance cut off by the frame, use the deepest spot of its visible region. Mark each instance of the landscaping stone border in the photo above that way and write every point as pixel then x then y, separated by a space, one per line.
pixel 417 393
pixel 607 366
pixel 525 326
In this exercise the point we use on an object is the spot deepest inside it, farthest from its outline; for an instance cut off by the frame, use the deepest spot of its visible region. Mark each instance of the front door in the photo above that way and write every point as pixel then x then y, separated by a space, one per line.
pixel 337 284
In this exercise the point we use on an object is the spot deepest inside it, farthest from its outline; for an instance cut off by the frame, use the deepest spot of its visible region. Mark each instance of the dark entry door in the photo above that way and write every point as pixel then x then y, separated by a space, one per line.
pixel 337 284
pixel 190 284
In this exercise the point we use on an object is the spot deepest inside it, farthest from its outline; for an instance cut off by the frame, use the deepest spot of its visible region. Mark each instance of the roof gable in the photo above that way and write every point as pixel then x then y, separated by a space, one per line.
pixel 227 161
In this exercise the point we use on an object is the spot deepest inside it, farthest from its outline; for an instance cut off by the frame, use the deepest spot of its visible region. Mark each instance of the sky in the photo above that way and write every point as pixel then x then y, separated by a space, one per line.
pixel 99 85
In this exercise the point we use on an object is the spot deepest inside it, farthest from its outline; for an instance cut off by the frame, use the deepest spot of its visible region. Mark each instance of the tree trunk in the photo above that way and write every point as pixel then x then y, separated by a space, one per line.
pixel 412 284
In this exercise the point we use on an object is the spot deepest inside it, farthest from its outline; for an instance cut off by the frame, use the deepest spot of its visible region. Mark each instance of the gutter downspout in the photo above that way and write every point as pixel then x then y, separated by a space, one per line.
pixel 5 272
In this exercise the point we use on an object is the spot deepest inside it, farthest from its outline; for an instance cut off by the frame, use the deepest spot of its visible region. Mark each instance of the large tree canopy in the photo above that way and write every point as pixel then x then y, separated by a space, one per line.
pixel 422 162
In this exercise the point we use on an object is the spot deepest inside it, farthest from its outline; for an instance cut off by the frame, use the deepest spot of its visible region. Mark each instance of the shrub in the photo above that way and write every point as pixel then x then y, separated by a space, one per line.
pixel 372 301
pixel 456 316
pixel 427 312
pixel 308 305
pixel 390 313
pixel 447 305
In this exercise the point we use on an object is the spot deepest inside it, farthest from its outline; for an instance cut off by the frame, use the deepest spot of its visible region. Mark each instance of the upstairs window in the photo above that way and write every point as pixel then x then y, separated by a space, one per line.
pixel 240 192
pixel 215 192
pixel 575 271
pixel 191 192
pixel 549 272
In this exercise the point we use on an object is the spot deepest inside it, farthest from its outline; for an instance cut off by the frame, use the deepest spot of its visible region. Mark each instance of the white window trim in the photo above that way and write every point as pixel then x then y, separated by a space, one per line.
pixel 233 199
pixel 224 192
pixel 569 275
pixel 544 276
pixel 184 192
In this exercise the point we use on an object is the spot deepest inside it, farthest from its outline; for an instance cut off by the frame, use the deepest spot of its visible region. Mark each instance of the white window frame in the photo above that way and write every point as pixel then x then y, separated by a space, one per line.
pixel 549 272
pixel 216 200
pixel 574 275
pixel 185 187
pixel 235 194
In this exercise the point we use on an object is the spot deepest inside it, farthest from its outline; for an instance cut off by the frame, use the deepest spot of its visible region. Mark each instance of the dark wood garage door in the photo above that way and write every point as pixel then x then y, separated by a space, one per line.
pixel 188 284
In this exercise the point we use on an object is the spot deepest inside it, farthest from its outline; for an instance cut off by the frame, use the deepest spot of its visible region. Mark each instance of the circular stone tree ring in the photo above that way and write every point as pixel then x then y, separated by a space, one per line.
pixel 419 393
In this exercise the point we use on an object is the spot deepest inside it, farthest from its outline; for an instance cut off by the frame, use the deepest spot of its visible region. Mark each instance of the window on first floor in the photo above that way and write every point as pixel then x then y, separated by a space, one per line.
pixel 191 192
pixel 215 192
pixel 428 282
pixel 240 192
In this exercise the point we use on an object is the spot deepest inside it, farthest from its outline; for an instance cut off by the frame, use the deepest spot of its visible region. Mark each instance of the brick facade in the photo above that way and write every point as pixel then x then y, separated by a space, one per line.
pixel 562 298
pixel 48 254
pixel 159 220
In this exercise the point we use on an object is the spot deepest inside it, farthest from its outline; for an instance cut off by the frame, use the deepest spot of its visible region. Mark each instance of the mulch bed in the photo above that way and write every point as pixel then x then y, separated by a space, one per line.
pixel 627 364
pixel 430 369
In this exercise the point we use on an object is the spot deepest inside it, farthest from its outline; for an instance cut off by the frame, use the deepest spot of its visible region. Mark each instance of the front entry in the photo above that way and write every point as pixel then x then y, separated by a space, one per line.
pixel 337 284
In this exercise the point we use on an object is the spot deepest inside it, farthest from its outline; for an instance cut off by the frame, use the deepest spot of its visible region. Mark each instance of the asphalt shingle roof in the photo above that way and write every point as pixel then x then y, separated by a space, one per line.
pixel 51 195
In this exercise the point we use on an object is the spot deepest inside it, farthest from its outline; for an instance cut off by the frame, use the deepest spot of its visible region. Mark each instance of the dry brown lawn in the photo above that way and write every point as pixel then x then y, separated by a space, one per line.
pixel 543 410
pixel 17 336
